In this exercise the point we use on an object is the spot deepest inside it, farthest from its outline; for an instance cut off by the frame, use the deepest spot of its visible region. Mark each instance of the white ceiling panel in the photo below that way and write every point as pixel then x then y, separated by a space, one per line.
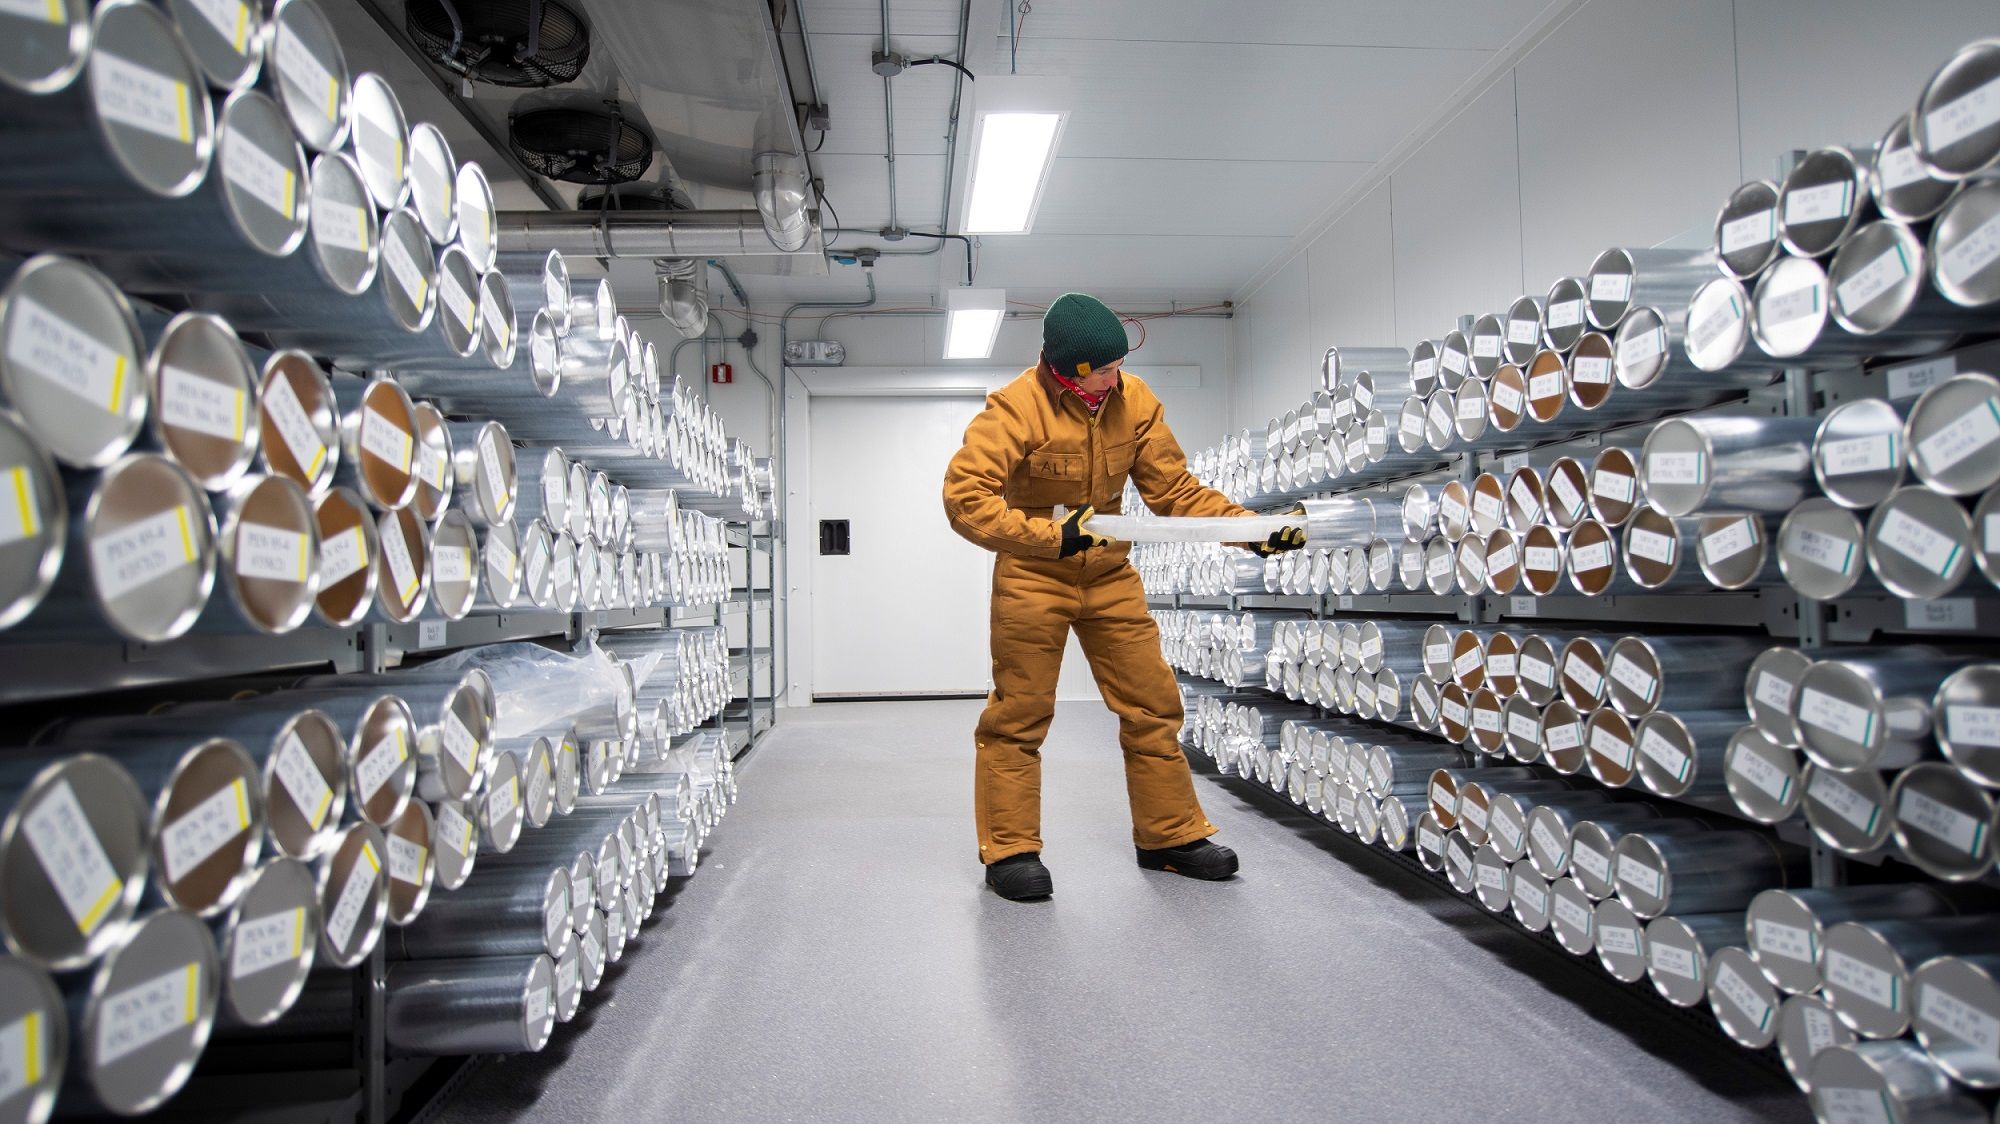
pixel 1246 102
pixel 906 17
pixel 853 93
pixel 1175 196
pixel 1406 23
pixel 859 188
pixel 1151 265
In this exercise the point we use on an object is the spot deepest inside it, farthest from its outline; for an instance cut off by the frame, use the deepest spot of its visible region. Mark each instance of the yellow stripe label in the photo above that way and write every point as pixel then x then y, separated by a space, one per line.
pixel 181 105
pixel 187 536
pixel 31 1062
pixel 94 916
pixel 193 989
pixel 298 931
pixel 29 527
pixel 117 386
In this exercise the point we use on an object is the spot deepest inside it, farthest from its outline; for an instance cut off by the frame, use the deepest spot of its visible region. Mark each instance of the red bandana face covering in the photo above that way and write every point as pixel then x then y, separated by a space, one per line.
pixel 1093 401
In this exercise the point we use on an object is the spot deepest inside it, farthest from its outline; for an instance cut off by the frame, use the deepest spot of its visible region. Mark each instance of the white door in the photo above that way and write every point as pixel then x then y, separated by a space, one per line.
pixel 904 612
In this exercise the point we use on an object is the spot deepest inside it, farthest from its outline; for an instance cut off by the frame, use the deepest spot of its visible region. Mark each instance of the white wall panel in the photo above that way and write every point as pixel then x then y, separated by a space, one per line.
pixel 1839 71
pixel 1273 198
pixel 1457 220
pixel 1627 131
pixel 1283 365
pixel 1351 272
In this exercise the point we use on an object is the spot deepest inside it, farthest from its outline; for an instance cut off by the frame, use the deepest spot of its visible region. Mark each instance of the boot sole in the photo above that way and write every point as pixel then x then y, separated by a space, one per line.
pixel 1027 894
pixel 1167 866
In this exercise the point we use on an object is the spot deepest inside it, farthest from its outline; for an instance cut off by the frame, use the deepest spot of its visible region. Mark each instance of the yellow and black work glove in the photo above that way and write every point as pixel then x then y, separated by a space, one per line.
pixel 1290 538
pixel 1076 540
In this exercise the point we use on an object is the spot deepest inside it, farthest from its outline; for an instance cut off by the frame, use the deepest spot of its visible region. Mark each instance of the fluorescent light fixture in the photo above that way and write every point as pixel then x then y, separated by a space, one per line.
pixel 1017 125
pixel 971 320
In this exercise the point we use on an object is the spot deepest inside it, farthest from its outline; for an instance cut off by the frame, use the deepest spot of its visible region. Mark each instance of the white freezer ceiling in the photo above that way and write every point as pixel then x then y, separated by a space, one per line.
pixel 1203 136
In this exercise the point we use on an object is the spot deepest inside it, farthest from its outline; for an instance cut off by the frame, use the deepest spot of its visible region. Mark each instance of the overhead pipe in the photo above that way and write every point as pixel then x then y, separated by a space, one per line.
pixel 633 234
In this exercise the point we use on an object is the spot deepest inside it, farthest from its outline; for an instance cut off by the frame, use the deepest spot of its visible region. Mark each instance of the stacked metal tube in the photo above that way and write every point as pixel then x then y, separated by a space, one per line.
pixel 1620 802
pixel 213 865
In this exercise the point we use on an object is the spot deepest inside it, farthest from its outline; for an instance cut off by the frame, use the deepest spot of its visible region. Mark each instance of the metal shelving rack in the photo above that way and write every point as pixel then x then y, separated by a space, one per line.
pixel 757 710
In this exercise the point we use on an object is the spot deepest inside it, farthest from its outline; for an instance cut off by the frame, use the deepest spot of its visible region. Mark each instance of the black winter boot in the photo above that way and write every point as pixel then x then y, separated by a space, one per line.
pixel 1020 878
pixel 1199 859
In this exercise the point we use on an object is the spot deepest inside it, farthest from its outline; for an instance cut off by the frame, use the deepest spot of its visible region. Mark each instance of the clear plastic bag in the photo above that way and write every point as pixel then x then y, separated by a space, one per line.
pixel 1175 528
pixel 538 690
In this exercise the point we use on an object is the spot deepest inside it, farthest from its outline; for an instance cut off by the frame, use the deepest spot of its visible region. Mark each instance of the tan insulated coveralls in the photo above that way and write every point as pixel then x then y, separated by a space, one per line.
pixel 1034 446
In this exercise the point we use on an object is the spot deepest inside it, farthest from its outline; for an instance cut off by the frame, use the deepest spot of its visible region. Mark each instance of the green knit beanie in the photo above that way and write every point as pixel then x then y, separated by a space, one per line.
pixel 1080 335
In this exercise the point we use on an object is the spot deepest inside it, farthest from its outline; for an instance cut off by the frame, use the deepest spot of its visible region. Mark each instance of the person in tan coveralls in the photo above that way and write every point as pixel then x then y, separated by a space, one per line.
pixel 1069 431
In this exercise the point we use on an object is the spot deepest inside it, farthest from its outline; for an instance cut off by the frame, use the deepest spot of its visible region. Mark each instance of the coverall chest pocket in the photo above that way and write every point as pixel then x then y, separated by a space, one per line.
pixel 1118 463
pixel 1054 478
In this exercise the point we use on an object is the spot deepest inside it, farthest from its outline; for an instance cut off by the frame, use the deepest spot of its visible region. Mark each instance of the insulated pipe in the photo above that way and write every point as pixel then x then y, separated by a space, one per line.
pixel 302 756
pixel 409 842
pixel 1746 231
pixel 77 342
pixel 1821 548
pixel 1719 340
pixel 539 281
pixel 268 553
pixel 142 550
pixel 1955 128
pixel 1735 552
pixel 1790 317
pixel 1897 1077
pixel 1870 711
pixel 204 390
pixel 1676 673
pixel 349 545
pixel 1622 279
pixel 353 901
pixel 1681 753
pixel 1707 872
pixel 476 1005
pixel 143 1017
pixel 516 911
pixel 1867 965
pixel 1962 719
pixel 1964 264
pixel 34 520
pixel 306 71
pixel 1823 199
pixel 1762 776
pixel 395 321
pixel 74 857
pixel 1692 465
pixel 1787 928
pixel 38 1019
pixel 381 141
pixel 631 234
pixel 1943 821
pixel 452 711
pixel 1678 952
pixel 265 943
pixel 431 461
pixel 1955 998
pixel 1846 810
pixel 1905 187
pixel 1858 452
pixel 337 263
pixel 1879 293
pixel 1658 551
pixel 1950 431
pixel 1552 823
pixel 141 103
pixel 298 422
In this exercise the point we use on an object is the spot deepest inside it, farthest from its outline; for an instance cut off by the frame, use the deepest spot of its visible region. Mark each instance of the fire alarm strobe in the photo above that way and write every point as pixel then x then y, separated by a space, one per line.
pixel 721 374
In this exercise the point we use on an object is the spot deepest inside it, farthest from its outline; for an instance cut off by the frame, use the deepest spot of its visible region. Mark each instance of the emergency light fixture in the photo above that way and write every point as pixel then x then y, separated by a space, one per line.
pixel 971 321
pixel 1015 131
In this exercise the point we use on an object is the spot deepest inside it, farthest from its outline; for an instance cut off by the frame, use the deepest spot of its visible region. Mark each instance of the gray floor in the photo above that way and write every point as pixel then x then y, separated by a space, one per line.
pixel 837 959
